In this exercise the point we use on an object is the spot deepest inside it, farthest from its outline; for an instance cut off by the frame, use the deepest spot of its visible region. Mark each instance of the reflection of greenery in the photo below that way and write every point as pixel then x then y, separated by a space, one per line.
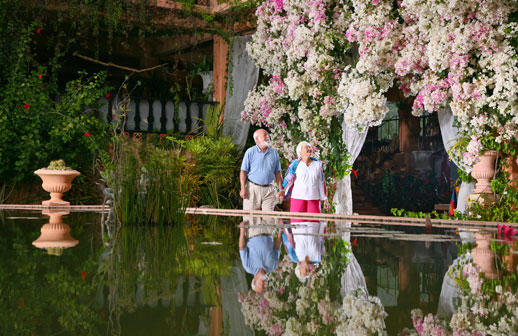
pixel 43 294
pixel 151 259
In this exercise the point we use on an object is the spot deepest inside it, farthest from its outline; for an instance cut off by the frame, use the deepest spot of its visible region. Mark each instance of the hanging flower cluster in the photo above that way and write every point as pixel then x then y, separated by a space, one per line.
pixel 301 45
pixel 445 53
pixel 461 54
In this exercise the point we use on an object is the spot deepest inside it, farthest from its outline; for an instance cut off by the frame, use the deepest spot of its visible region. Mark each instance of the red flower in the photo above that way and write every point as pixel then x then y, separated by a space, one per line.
pixel 355 172
pixel 38 30
pixel 21 303
pixel 26 106
pixel 40 76
pixel 108 95
pixel 102 314
pixel 507 233
pixel 83 275
pixel 87 135
pixel 354 242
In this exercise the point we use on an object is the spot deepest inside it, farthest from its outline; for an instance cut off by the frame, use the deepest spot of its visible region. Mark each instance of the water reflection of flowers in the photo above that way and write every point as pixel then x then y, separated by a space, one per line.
pixel 294 308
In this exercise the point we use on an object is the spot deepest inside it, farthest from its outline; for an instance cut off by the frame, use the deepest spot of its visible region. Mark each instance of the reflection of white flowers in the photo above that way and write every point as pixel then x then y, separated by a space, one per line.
pixel 361 315
pixel 293 308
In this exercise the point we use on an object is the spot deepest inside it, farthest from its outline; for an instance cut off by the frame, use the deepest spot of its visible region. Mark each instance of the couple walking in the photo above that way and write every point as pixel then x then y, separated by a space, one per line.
pixel 303 185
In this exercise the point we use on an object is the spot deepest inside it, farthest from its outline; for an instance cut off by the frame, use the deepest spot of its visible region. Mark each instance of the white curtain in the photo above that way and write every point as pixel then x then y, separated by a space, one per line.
pixel 243 76
pixel 450 290
pixel 449 136
pixel 353 140
pixel 231 285
pixel 353 277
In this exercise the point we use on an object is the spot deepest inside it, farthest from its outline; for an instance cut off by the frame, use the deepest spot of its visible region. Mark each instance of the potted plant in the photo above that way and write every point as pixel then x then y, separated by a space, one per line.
pixel 57 179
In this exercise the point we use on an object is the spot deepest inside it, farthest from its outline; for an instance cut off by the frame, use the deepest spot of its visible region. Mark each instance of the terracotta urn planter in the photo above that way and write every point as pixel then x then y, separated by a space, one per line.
pixel 55 235
pixel 511 168
pixel 483 257
pixel 483 171
pixel 56 182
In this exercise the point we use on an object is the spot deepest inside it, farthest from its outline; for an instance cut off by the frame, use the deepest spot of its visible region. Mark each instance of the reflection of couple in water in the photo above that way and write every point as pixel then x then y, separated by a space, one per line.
pixel 304 185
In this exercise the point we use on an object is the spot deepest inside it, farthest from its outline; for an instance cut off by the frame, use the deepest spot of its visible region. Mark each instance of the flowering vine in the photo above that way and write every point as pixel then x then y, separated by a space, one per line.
pixel 301 45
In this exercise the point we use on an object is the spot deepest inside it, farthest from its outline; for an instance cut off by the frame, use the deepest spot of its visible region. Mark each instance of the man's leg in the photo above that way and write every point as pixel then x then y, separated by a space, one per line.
pixel 254 202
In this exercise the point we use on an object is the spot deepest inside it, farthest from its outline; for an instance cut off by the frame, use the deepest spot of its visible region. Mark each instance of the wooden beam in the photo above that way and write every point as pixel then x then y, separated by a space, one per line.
pixel 220 68
pixel 172 45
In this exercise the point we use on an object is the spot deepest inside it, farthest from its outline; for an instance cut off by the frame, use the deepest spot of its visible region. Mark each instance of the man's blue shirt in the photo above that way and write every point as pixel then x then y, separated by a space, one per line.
pixel 261 166
pixel 259 253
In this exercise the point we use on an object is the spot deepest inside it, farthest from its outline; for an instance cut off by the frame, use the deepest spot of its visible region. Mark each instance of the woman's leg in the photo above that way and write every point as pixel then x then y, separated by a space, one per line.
pixel 298 205
pixel 313 207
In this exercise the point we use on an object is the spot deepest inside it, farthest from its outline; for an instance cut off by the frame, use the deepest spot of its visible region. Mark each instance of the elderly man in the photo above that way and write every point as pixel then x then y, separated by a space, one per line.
pixel 261 166
pixel 260 255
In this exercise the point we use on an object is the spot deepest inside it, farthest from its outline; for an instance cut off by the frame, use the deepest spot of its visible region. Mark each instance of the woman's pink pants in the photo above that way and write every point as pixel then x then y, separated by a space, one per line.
pixel 298 205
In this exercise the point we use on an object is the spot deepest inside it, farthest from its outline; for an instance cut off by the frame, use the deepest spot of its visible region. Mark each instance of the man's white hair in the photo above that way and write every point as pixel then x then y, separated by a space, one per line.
pixel 256 133
pixel 300 146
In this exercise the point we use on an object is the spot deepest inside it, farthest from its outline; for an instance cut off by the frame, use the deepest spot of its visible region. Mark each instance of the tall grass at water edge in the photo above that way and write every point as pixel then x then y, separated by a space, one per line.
pixel 148 186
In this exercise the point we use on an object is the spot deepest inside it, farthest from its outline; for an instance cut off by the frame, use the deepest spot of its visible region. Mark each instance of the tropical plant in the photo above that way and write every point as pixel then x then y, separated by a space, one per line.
pixel 147 184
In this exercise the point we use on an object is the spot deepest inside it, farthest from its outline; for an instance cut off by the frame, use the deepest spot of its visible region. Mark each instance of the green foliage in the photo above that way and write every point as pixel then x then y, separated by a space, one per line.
pixel 212 124
pixel 213 164
pixel 419 214
pixel 43 294
pixel 147 184
pixel 34 129
pixel 504 209
pixel 409 192
pixel 58 165
pixel 154 258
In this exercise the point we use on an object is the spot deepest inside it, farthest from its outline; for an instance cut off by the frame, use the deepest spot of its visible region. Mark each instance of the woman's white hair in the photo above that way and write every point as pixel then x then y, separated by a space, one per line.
pixel 300 146
pixel 302 278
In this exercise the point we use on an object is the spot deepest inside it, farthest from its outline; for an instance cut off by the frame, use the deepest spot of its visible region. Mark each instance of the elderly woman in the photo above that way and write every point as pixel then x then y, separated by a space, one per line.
pixel 304 184
pixel 305 187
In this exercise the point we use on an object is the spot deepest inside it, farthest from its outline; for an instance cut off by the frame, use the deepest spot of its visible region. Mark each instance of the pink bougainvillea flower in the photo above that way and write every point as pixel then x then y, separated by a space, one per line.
pixel 38 30
pixel 108 95
pixel 83 275
pixel 87 135
pixel 26 106
pixel 507 233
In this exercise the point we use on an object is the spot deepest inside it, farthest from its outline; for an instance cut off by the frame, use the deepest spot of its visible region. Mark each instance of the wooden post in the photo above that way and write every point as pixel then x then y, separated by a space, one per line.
pixel 220 68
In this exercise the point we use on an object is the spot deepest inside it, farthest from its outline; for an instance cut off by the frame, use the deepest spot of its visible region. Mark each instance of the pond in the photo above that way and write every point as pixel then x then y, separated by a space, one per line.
pixel 190 280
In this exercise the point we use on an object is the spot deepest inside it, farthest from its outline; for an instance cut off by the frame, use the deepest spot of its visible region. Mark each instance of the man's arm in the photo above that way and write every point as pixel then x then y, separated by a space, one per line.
pixel 242 241
pixel 243 175
pixel 278 240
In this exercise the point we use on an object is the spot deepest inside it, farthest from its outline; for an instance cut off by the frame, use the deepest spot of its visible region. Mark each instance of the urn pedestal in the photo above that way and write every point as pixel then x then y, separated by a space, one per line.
pixel 55 235
pixel 56 182
pixel 484 171
pixel 483 257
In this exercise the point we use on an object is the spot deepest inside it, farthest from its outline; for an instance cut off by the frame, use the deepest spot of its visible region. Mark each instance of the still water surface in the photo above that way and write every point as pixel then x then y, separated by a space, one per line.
pixel 182 280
